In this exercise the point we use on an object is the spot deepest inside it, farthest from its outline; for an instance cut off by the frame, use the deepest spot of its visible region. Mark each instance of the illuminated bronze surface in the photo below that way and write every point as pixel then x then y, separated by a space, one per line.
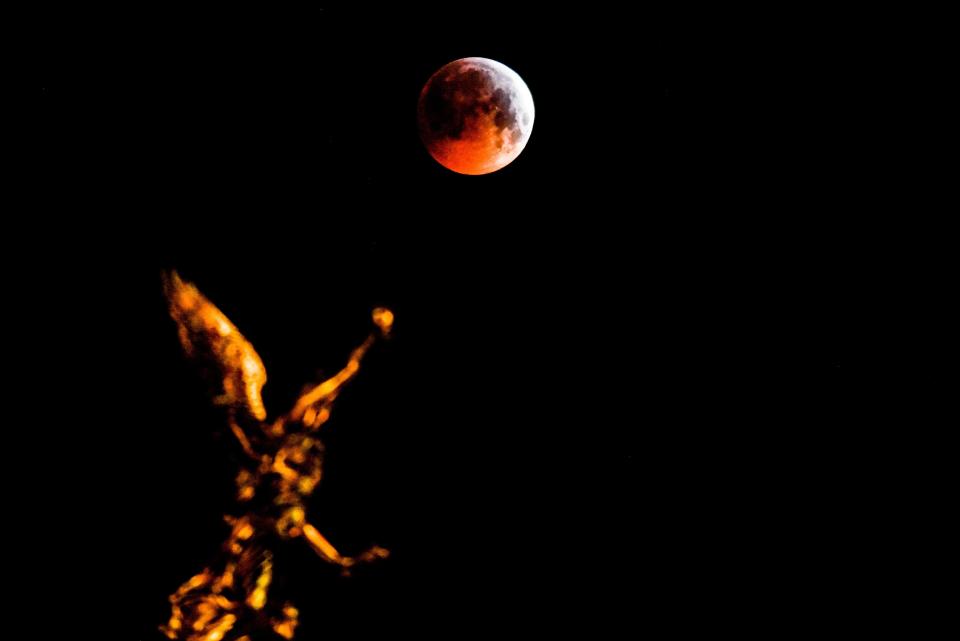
pixel 231 600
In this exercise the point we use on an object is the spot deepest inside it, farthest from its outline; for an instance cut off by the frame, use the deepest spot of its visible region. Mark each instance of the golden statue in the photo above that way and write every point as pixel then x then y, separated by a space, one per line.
pixel 231 601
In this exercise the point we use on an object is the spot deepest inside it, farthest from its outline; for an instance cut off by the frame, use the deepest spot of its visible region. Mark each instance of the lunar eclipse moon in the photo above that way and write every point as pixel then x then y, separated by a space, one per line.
pixel 475 115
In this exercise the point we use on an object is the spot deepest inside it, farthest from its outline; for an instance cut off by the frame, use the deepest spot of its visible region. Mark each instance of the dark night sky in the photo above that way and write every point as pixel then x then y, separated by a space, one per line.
pixel 609 401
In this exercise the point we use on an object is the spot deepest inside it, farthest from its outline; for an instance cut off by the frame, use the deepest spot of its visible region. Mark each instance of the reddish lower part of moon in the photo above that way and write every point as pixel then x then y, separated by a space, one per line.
pixel 475 115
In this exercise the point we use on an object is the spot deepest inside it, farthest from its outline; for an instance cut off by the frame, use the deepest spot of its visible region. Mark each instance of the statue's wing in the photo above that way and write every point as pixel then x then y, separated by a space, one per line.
pixel 208 336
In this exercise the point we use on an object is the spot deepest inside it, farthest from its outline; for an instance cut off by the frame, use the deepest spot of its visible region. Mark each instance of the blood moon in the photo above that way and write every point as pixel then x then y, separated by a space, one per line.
pixel 475 115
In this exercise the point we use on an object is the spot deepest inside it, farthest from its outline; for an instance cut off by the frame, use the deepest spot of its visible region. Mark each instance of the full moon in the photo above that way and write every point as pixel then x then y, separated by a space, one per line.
pixel 475 115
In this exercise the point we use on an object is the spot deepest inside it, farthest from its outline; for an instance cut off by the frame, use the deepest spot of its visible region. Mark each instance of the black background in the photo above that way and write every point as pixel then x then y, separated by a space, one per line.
pixel 610 399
